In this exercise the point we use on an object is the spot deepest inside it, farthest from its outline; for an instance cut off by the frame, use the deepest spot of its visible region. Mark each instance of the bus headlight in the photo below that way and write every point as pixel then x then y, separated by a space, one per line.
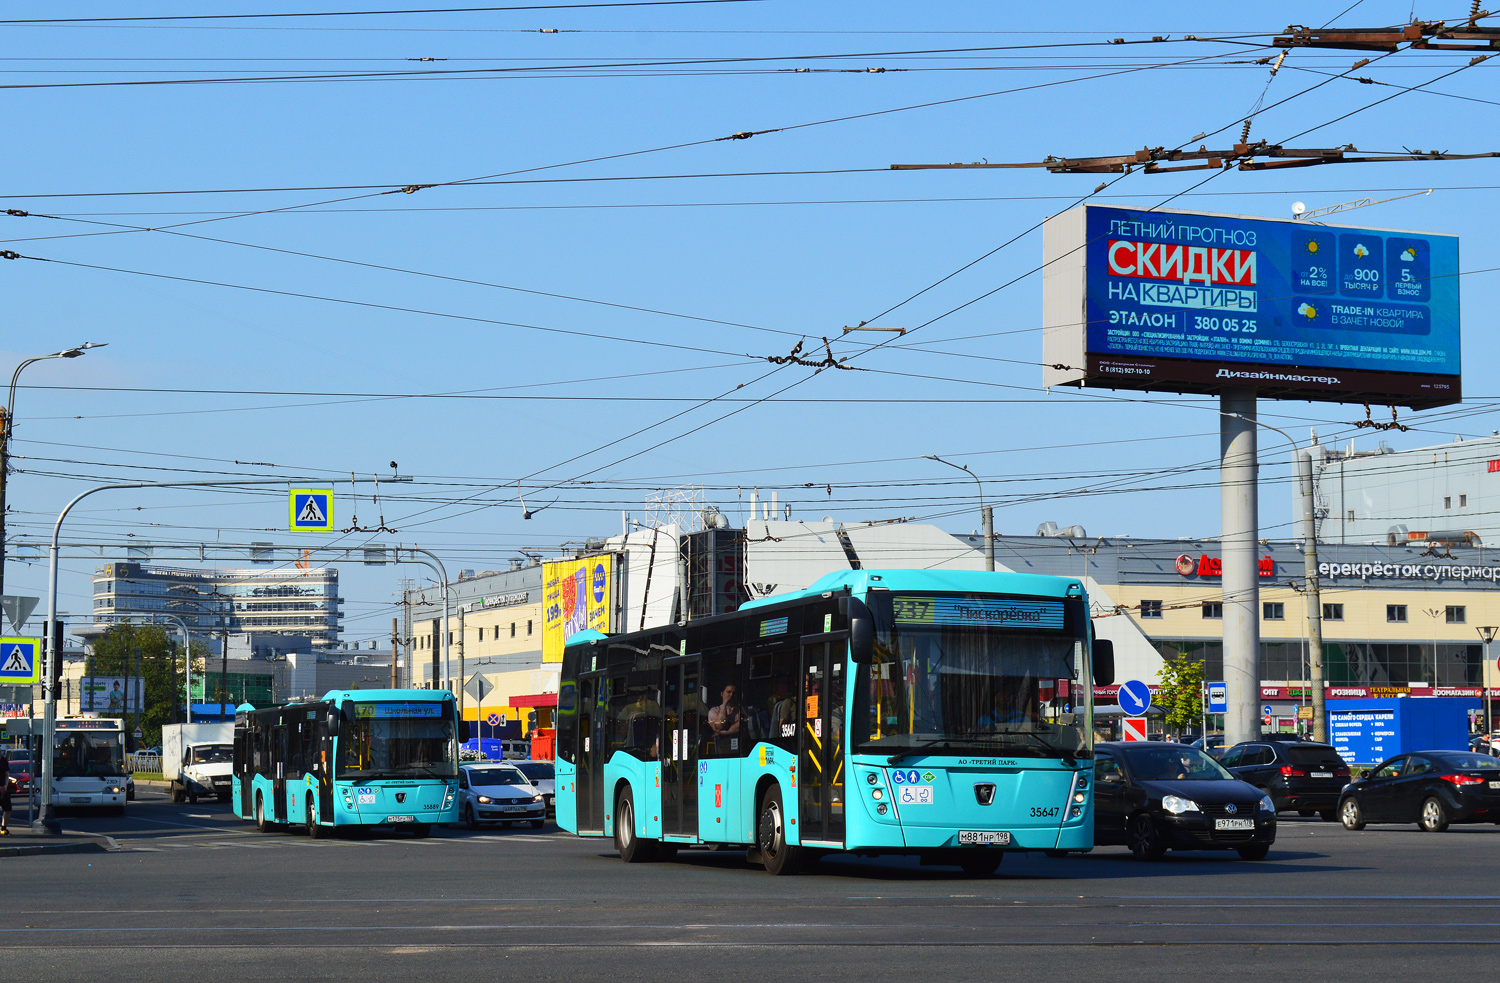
pixel 881 808
pixel 448 798
pixel 1078 812
pixel 877 794
pixel 114 790
pixel 1080 798
pixel 1082 781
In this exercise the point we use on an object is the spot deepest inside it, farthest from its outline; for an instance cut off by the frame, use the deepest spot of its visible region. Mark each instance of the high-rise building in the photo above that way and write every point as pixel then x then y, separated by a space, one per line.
pixel 286 602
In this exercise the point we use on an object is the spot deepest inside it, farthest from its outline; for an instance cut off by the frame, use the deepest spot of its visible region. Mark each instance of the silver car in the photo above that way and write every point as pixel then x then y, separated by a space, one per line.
pixel 540 774
pixel 498 793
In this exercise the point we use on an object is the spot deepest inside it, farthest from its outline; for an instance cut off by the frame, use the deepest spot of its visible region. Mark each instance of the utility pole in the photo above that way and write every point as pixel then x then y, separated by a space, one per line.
pixel 461 674
pixel 223 666
pixel 395 655
pixel 1487 634
pixel 1314 596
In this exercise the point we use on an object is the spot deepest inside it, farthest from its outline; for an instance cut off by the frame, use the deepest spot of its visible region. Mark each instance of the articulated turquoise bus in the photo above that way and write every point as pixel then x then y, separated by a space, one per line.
pixel 385 757
pixel 937 713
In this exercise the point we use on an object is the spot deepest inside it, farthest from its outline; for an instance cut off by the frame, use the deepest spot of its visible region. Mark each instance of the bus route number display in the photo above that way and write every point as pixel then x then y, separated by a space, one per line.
pixel 405 711
pixel 980 612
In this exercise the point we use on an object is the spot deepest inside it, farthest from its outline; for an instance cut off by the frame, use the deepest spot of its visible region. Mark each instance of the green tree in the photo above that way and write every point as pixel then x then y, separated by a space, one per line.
pixel 1181 692
pixel 148 651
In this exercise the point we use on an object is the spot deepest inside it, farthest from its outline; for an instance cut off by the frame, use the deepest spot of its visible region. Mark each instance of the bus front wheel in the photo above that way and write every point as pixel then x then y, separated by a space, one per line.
pixel 770 836
pixel 633 849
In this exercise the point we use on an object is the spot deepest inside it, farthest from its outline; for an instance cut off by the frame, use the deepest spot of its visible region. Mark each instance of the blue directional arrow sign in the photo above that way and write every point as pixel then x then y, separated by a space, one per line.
pixel 1135 698
pixel 20 663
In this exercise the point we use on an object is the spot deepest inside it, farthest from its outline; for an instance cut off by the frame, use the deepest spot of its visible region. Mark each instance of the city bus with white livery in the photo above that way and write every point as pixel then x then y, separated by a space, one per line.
pixel 88 763
pixel 356 757
pixel 942 714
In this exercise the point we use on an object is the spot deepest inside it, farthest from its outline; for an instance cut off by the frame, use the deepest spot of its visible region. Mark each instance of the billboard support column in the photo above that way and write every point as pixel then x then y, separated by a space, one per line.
pixel 1241 584
pixel 1314 597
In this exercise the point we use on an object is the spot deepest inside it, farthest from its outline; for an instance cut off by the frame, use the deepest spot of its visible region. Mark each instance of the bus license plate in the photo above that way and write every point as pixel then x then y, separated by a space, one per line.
pixel 79 800
pixel 983 837
pixel 400 819
pixel 1234 824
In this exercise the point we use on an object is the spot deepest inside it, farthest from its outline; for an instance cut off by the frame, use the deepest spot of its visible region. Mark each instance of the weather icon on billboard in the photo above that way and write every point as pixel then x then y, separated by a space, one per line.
pixel 1408 255
pixel 1307 310
pixel 1361 250
pixel 1312 245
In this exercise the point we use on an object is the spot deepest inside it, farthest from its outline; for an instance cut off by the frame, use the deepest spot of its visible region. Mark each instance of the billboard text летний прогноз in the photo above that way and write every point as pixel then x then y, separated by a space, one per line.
pixel 1187 302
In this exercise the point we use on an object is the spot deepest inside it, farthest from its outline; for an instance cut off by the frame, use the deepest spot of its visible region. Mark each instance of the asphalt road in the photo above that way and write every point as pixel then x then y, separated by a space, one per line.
pixel 194 892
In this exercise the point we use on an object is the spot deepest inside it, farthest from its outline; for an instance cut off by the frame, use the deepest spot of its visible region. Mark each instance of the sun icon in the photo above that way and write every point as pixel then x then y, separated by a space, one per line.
pixel 1312 247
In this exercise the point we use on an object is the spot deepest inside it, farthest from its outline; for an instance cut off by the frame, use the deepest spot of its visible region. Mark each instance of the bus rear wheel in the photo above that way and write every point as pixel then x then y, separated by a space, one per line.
pixel 779 856
pixel 260 814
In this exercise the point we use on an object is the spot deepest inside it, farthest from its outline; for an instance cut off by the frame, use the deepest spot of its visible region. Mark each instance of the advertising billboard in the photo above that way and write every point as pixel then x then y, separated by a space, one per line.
pixel 1191 302
pixel 111 694
pixel 576 594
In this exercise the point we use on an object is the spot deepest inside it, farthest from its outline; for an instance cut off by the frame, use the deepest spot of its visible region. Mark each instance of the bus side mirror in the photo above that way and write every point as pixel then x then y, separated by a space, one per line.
pixel 1104 662
pixel 333 721
pixel 861 629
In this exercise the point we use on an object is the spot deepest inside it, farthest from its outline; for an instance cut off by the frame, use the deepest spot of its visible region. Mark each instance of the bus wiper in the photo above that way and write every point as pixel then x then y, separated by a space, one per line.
pixel 907 753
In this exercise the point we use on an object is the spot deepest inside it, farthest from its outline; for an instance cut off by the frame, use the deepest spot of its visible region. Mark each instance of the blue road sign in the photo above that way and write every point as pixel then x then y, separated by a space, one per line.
pixel 1218 698
pixel 19 663
pixel 1265 711
pixel 311 509
pixel 1135 697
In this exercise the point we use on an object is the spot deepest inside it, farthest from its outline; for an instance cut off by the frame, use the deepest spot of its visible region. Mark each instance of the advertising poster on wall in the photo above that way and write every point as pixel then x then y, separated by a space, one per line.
pixel 1192 302
pixel 576 594
pixel 111 694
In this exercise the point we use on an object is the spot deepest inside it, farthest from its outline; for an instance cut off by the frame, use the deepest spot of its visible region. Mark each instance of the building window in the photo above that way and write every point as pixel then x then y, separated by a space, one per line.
pixel 1447 501
pixel 481 634
pixel 1333 612
pixel 528 628
pixel 1457 614
pixel 1150 609
pixel 1395 612
pixel 1273 611
pixel 1213 609
pixel 1351 515
pixel 1463 501
pixel 512 629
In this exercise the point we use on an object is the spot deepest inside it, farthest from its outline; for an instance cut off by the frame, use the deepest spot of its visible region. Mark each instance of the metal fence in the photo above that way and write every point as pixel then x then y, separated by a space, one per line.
pixel 143 762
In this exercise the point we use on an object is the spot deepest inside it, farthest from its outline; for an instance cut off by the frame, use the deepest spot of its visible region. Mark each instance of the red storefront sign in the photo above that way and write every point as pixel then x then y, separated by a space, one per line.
pixel 1333 691
pixel 1212 566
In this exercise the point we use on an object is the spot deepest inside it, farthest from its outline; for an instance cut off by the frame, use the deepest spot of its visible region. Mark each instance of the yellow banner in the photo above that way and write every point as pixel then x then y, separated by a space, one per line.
pixel 576 594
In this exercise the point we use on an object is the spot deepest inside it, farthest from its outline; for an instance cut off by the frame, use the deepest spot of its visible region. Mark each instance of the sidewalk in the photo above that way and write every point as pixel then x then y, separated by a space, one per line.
pixel 24 843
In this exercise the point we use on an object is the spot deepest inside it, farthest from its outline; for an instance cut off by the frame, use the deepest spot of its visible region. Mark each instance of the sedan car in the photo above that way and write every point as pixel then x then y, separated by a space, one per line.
pixel 498 793
pixel 540 774
pixel 1300 775
pixel 20 769
pixel 1429 788
pixel 1154 797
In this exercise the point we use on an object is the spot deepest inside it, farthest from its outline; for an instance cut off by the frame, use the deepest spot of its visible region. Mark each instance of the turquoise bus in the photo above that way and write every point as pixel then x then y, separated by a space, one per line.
pixel 382 757
pixel 943 714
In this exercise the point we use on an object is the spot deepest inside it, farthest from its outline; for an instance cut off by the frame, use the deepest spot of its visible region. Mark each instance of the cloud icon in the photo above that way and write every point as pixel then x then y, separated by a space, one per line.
pixel 1409 254
pixel 1307 310
pixel 1361 251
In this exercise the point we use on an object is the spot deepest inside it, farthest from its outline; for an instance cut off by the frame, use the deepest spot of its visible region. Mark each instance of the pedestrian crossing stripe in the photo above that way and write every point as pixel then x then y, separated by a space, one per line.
pixel 18 661
pixel 311 509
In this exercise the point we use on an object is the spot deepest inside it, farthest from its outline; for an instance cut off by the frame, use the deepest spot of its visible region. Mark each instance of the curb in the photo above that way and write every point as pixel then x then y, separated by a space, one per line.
pixel 34 849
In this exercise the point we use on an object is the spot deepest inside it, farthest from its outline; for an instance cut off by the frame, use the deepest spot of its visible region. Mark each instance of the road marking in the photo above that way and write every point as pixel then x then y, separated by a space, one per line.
pixel 214 829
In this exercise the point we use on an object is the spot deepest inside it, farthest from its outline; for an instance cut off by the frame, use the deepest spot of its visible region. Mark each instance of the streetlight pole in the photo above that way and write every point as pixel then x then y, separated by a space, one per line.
pixel 1487 633
pixel 985 513
pixel 7 423
pixel 1434 614
pixel 436 566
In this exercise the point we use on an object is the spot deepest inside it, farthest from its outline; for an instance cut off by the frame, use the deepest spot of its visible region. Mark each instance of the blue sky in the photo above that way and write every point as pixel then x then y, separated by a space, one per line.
pixel 729 269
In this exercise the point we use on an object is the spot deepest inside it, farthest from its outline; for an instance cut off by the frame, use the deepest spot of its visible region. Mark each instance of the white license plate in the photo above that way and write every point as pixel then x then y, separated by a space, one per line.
pixel 1234 824
pixel 983 837
pixel 1322 774
pixel 79 800
pixel 400 819
pixel 1494 784
pixel 516 809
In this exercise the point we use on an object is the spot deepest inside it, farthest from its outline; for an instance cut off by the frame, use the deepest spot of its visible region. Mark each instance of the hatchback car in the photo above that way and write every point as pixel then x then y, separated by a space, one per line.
pixel 20 769
pixel 1300 775
pixel 1430 788
pixel 498 793
pixel 1154 797
pixel 541 774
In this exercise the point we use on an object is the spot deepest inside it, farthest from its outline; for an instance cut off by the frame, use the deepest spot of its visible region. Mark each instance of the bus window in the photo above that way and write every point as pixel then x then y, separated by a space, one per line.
pixel 635 715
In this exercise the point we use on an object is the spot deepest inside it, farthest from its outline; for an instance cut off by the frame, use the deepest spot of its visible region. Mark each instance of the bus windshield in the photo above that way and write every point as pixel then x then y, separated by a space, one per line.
pixel 968 674
pixel 398 740
pixel 88 755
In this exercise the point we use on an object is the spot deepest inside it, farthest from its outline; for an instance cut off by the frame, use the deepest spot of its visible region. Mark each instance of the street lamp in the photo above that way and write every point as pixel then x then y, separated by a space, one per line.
pixel 1434 614
pixel 1487 634
pixel 7 416
pixel 985 513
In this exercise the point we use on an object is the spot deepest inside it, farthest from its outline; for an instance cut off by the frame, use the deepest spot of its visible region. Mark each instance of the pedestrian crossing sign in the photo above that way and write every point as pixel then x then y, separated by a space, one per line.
pixel 311 509
pixel 19 662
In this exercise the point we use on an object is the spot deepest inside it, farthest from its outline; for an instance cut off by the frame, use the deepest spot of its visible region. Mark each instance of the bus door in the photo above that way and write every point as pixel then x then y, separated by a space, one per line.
pixel 278 786
pixel 589 779
pixel 324 761
pixel 681 720
pixel 820 743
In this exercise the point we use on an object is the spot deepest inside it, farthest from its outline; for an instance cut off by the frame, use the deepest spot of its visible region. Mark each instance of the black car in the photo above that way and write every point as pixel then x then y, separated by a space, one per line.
pixel 1429 788
pixel 1154 797
pixel 1300 775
